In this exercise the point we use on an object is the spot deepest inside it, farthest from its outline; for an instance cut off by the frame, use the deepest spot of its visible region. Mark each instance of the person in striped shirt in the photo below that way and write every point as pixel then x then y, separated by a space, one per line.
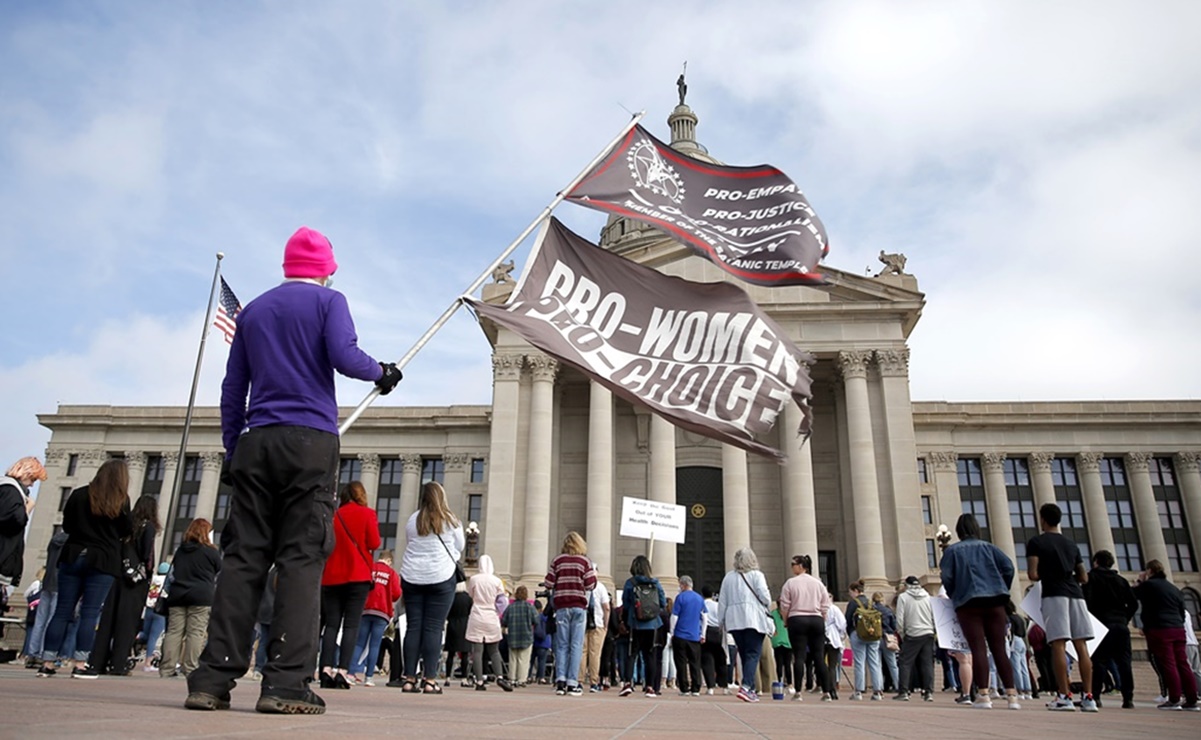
pixel 570 577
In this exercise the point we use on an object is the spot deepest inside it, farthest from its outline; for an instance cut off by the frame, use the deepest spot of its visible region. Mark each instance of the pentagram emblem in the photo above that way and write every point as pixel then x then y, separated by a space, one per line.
pixel 652 173
pixel 698 511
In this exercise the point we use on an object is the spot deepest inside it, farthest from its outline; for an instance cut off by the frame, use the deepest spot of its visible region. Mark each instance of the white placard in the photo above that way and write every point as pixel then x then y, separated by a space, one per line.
pixel 1033 606
pixel 642 518
pixel 946 624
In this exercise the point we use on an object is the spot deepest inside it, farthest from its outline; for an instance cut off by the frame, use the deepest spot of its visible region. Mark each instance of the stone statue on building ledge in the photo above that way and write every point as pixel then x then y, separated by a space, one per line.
pixel 503 272
pixel 894 264
pixel 471 553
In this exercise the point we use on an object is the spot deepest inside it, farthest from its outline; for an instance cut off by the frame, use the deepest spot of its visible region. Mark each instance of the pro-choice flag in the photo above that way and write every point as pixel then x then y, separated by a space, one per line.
pixel 702 355
pixel 753 222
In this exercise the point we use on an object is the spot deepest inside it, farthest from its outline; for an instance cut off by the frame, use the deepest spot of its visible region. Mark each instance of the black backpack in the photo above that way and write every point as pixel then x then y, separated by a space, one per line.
pixel 646 601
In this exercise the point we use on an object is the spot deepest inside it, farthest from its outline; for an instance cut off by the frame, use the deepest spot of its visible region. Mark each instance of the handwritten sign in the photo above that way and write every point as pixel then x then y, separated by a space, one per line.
pixel 946 624
pixel 644 519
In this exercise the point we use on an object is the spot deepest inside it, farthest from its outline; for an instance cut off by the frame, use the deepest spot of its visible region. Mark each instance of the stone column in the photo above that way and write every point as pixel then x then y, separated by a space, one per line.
pixel 410 490
pixel 907 534
pixel 370 478
pixel 135 460
pixel 865 491
pixel 946 482
pixel 796 487
pixel 1040 474
pixel 997 499
pixel 1188 474
pixel 599 510
pixel 1096 514
pixel 663 489
pixel 1145 510
pixel 536 552
pixel 455 465
pixel 210 479
pixel 735 501
pixel 170 465
pixel 496 531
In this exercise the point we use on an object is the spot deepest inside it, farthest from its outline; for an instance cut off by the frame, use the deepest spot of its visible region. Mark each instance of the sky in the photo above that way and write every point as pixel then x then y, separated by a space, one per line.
pixel 1039 164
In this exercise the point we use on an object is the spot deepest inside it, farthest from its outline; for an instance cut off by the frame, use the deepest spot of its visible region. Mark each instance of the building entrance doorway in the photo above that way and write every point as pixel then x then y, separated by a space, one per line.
pixel 703 553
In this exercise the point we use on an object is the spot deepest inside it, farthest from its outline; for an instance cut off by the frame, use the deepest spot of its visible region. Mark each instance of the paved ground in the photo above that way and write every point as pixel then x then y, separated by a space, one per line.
pixel 145 705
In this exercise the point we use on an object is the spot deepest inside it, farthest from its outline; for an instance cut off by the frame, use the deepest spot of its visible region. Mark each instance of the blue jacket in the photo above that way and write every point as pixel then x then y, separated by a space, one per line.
pixel 627 599
pixel 973 568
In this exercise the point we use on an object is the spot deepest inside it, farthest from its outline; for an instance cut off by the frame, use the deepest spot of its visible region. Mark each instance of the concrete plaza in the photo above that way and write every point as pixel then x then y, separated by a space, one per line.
pixel 147 706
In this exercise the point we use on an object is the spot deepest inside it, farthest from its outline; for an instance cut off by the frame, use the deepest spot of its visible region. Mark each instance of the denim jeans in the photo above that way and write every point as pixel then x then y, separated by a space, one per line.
pixel 41 620
pixel 371 633
pixel 1021 667
pixel 749 643
pixel 153 626
pixel 869 652
pixel 538 664
pixel 889 660
pixel 426 607
pixel 260 653
pixel 77 582
pixel 569 643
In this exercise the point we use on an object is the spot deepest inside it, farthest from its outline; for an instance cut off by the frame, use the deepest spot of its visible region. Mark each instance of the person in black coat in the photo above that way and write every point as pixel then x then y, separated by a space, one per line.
pixel 126 600
pixel 1111 600
pixel 95 518
pixel 1163 624
pixel 15 508
pixel 194 571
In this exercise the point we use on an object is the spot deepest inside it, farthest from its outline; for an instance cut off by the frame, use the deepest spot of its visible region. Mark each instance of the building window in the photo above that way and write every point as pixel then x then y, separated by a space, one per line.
pixel 927 511
pixel 1192 602
pixel 64 493
pixel 1023 516
pixel 152 482
pixel 72 464
pixel 349 469
pixel 971 493
pixel 1171 516
pixel 432 468
pixel 1120 508
pixel 931 555
pixel 1070 499
pixel 477 470
pixel 827 566
pixel 225 498
pixel 189 494
pixel 923 475
pixel 475 507
pixel 387 501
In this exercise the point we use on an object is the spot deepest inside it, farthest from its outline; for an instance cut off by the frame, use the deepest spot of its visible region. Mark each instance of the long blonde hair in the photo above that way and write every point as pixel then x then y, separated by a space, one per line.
pixel 433 515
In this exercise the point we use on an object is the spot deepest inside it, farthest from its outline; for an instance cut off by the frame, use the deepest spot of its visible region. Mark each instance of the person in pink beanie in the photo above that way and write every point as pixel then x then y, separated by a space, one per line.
pixel 279 424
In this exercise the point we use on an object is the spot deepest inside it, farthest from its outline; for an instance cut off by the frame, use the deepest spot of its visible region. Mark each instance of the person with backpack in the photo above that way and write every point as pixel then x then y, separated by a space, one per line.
pixel 644 604
pixel 977 576
pixel 865 624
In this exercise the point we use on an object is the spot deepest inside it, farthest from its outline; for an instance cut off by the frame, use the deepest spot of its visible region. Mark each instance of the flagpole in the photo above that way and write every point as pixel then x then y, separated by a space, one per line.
pixel 441 321
pixel 173 509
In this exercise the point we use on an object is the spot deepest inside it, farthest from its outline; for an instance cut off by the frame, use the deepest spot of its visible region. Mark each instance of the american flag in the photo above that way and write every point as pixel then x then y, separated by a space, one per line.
pixel 227 312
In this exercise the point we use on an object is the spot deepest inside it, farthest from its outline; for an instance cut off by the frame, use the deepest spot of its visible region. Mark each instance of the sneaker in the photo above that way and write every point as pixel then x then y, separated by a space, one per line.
pixel 206 702
pixel 709 692
pixel 594 689
pixel 927 696
pixel 1013 703
pixel 1127 704
pixel 827 697
pixel 963 699
pixel 369 682
pixel 857 696
pixel 290 702
pixel 901 697
pixel 1061 704
pixel 1192 706
pixel 798 696
pixel 481 686
pixel 560 688
pixel 877 696
pixel 747 695
pixel 504 684
pixel 981 703
pixel 576 690
pixel 651 694
pixel 695 693
pixel 46 672
pixel 86 671
pixel 626 690
pixel 1161 699
pixel 1170 706
pixel 255 676
pixel 1088 704
pixel 726 690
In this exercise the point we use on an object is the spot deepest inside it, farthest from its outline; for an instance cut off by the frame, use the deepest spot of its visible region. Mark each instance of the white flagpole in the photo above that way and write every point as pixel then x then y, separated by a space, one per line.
pixel 441 321
pixel 173 509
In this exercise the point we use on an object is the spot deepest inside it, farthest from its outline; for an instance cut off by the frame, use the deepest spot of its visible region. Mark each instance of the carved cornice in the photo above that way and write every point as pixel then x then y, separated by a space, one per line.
pixel 507 367
pixel 93 457
pixel 370 462
pixel 56 457
pixel 211 461
pixel 944 460
pixel 411 463
pixel 893 362
pixel 1138 461
pixel 543 367
pixel 853 364
pixel 1188 462
pixel 994 461
pixel 455 461
pixel 135 459
pixel 1041 461
pixel 171 458
pixel 1089 461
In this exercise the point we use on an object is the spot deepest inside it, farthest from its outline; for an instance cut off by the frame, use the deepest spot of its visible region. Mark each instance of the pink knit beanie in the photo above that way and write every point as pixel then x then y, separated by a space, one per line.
pixel 309 255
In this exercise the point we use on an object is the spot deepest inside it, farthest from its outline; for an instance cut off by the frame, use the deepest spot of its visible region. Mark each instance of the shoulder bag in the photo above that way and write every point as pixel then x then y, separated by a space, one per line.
pixel 460 575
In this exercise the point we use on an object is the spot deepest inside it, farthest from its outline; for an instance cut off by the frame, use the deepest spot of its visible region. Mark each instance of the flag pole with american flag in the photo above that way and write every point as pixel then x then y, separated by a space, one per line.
pixel 168 538
pixel 228 309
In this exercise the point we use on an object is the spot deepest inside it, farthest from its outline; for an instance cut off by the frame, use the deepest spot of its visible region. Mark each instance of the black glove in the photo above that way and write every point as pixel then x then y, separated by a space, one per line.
pixel 389 379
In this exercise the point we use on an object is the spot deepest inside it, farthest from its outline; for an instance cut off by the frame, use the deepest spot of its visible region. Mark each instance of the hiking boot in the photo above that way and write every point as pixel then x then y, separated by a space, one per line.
pixel 206 702
pixel 290 702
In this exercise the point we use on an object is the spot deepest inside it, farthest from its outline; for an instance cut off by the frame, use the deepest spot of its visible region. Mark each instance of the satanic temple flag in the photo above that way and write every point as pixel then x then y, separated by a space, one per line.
pixel 753 222
pixel 702 355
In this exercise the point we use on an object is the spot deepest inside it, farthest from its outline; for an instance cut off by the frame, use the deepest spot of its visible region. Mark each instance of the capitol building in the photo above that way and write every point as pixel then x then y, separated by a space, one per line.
pixel 864 496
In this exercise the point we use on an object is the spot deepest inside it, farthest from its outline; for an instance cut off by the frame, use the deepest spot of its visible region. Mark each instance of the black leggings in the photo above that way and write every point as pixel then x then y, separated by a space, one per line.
pixel 984 629
pixel 341 606
pixel 808 637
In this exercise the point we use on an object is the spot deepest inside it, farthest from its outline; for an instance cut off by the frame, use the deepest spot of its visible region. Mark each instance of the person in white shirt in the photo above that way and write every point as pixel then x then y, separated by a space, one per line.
pixel 1190 647
pixel 595 628
pixel 836 633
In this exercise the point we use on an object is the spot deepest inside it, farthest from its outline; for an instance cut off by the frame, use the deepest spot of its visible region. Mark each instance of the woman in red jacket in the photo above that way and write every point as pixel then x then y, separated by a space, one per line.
pixel 345 583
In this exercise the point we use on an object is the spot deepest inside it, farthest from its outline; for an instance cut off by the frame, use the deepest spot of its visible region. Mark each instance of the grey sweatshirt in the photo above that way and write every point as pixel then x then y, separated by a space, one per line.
pixel 915 613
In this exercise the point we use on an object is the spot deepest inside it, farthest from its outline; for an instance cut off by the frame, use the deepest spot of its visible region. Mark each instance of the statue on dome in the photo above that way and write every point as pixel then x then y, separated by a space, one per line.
pixel 682 86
